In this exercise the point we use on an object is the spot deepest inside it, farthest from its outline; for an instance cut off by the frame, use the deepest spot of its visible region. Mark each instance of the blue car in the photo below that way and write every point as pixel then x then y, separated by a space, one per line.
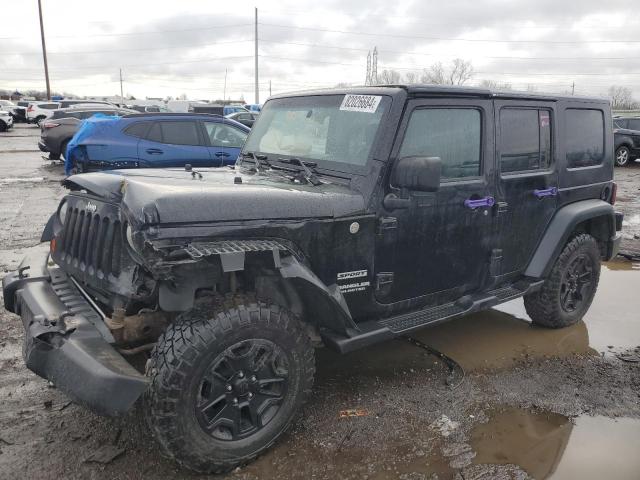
pixel 155 140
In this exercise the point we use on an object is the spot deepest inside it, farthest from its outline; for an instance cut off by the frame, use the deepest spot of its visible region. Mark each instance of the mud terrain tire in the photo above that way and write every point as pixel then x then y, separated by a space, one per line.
pixel 187 357
pixel 546 306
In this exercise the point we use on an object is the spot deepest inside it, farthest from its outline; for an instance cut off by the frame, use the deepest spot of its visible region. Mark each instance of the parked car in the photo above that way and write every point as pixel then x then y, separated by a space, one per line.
pixel 148 108
pixel 216 109
pixel 245 118
pixel 8 106
pixel 20 111
pixel 58 130
pixel 354 216
pixel 253 107
pixel 157 140
pixel 6 120
pixel 626 139
pixel 39 111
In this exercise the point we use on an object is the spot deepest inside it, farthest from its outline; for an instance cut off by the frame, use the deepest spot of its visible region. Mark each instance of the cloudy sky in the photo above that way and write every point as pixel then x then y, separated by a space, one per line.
pixel 169 48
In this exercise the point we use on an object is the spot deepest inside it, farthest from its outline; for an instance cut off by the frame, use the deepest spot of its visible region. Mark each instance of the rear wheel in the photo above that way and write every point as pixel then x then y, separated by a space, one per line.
pixel 226 385
pixel 3 127
pixel 623 156
pixel 568 292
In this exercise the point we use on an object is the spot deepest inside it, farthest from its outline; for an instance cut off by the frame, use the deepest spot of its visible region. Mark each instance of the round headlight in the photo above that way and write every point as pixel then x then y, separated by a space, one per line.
pixel 62 211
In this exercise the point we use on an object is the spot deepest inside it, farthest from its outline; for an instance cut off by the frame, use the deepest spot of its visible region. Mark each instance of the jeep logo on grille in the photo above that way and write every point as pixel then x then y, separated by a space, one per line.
pixel 92 207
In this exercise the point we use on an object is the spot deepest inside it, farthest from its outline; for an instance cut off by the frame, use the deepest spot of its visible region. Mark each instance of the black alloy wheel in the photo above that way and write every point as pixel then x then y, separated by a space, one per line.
pixel 242 390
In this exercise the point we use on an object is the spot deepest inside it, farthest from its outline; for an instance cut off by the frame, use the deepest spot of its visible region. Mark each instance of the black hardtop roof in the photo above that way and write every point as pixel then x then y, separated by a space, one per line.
pixel 441 90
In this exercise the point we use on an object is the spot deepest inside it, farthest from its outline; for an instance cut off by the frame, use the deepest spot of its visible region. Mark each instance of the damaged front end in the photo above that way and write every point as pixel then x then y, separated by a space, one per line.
pixel 67 341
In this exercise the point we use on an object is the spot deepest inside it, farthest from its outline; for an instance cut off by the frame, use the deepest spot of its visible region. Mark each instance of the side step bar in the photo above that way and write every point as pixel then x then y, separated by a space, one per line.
pixel 376 331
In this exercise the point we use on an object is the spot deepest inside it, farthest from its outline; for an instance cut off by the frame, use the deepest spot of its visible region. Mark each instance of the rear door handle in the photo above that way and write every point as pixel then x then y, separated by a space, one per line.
pixel 546 192
pixel 474 203
pixel 154 151
pixel 222 154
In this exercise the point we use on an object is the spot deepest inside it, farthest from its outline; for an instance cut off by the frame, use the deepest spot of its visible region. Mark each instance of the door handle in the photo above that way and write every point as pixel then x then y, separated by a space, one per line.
pixel 546 192
pixel 474 203
pixel 222 154
pixel 154 151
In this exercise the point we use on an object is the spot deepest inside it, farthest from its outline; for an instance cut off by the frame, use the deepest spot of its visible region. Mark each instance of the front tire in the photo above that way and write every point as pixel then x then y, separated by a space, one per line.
pixel 623 156
pixel 226 385
pixel 567 293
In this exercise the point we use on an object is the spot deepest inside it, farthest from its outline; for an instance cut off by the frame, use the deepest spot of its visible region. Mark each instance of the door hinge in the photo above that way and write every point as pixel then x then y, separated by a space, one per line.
pixel 385 224
pixel 384 280
pixel 495 263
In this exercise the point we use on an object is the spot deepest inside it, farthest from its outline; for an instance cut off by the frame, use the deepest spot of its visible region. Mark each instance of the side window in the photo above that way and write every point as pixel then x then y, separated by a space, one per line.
pixel 49 106
pixel 619 123
pixel 138 129
pixel 634 124
pixel 155 134
pixel 453 134
pixel 584 137
pixel 222 135
pixel 525 139
pixel 180 133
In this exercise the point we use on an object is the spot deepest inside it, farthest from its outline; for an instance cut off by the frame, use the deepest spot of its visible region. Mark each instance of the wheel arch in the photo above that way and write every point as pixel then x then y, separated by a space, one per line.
pixel 595 217
pixel 277 273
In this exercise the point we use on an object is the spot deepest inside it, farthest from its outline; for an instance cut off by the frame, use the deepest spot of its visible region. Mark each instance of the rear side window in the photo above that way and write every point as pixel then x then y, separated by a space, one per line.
pixel 584 137
pixel 634 124
pixel 525 139
pixel 138 129
pixel 180 133
pixel 617 123
pixel 453 134
pixel 48 106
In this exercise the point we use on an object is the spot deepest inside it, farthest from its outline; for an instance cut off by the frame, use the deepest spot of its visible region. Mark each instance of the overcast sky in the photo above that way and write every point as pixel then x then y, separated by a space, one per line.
pixel 174 47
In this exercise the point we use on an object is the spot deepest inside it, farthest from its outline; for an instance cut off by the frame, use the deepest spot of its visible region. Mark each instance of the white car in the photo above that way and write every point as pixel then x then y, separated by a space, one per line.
pixel 6 120
pixel 39 111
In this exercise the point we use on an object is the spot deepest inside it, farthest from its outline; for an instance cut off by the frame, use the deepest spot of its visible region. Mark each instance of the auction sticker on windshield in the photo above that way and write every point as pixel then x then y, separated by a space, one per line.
pixel 360 103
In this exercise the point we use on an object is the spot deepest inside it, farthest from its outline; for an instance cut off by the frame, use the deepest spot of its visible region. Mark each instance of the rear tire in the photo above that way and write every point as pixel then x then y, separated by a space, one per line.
pixel 567 293
pixel 3 127
pixel 226 385
pixel 623 156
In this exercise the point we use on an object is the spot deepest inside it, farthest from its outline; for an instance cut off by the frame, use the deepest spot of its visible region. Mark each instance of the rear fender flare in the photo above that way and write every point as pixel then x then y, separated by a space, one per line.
pixel 560 229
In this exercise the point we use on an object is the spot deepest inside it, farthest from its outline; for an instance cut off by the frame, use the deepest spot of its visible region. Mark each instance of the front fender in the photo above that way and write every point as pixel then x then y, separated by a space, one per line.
pixel 561 227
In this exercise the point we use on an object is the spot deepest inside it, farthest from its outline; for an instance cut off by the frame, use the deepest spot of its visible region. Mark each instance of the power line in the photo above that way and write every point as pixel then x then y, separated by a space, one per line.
pixel 501 57
pixel 452 39
pixel 151 32
pixel 420 67
pixel 76 52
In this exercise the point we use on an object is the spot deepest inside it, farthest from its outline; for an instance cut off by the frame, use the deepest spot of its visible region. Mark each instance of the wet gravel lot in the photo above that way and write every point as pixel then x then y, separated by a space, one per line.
pixel 526 402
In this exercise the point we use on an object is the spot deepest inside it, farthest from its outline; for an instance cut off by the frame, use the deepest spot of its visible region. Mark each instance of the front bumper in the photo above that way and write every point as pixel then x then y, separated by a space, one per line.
pixel 66 341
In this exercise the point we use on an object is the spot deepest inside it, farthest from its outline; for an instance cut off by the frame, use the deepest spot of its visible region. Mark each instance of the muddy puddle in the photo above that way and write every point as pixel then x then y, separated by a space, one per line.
pixel 548 445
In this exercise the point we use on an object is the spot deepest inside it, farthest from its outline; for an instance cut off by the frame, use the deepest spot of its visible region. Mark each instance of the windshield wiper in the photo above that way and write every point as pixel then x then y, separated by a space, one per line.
pixel 308 174
pixel 258 159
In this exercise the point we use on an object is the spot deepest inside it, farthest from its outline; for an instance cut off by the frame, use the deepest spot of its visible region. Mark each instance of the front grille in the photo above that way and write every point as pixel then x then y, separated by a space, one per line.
pixel 91 243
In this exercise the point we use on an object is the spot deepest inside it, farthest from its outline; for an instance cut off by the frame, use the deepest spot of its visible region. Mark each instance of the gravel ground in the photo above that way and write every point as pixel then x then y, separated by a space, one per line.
pixel 525 402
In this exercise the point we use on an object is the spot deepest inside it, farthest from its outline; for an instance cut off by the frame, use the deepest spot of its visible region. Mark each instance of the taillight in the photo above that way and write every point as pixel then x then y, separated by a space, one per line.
pixel 614 193
pixel 50 125
pixel 30 109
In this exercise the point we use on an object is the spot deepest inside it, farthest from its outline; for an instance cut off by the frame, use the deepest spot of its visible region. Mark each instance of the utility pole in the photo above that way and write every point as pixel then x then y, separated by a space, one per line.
pixel 256 58
pixel 573 88
pixel 269 87
pixel 121 92
pixel 224 91
pixel 44 52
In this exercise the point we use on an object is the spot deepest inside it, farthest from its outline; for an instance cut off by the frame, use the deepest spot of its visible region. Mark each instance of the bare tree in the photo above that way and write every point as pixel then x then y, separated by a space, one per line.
pixel 411 77
pixel 495 85
pixel 621 98
pixel 458 73
pixel 389 77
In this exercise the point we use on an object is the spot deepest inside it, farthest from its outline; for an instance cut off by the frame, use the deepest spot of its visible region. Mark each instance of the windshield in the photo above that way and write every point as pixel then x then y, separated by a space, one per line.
pixel 322 128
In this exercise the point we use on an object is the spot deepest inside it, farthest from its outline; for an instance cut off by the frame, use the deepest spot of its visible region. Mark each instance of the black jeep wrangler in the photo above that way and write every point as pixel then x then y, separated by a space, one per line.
pixel 352 217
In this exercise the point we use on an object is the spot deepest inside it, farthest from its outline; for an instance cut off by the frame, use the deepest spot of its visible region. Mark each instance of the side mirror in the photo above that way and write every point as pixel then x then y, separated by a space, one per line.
pixel 418 173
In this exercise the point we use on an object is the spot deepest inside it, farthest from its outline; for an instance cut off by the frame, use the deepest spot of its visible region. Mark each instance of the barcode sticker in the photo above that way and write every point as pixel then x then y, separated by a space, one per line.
pixel 360 103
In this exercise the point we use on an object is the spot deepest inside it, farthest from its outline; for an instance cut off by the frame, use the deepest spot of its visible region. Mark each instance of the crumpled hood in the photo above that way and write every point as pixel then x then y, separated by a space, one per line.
pixel 169 196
